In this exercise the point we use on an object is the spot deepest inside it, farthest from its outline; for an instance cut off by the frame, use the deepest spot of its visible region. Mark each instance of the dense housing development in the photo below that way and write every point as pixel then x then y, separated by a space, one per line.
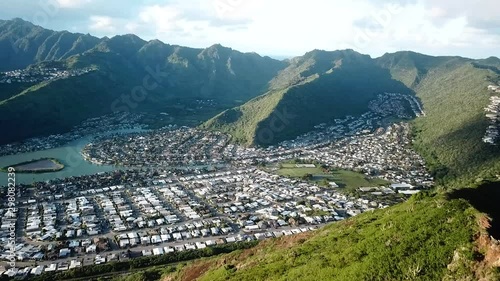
pixel 384 154
pixel 182 146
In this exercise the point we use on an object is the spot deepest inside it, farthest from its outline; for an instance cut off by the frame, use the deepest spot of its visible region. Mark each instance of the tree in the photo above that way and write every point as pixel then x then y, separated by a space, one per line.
pixel 325 182
pixel 307 177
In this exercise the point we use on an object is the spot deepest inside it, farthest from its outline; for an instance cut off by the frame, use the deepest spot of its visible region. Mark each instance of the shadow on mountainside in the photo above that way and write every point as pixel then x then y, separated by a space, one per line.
pixel 468 151
pixel 485 199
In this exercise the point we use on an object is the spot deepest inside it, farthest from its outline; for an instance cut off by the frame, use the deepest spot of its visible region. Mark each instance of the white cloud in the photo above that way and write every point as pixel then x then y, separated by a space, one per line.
pixel 161 18
pixel 102 24
pixel 132 27
pixel 72 3
pixel 409 26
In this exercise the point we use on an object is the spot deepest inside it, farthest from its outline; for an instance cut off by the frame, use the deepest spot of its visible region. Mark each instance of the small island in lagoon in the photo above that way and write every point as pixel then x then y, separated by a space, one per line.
pixel 37 166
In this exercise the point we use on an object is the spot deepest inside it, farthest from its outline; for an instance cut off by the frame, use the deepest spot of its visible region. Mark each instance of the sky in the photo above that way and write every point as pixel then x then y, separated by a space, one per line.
pixel 282 28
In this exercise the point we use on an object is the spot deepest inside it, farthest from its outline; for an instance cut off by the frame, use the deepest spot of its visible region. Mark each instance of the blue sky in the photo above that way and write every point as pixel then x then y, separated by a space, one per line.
pixel 282 27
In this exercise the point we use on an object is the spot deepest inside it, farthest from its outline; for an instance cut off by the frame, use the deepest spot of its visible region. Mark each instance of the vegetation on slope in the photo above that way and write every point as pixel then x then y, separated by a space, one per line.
pixel 9 90
pixel 327 85
pixel 454 93
pixel 171 77
pixel 22 44
pixel 423 239
pixel 242 122
pixel 55 107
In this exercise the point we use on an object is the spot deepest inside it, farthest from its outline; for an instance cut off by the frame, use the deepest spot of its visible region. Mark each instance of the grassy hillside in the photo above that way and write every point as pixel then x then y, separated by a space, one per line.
pixel 56 106
pixel 347 90
pixel 440 237
pixel 423 239
pixel 456 143
pixel 430 237
pixel 242 122
pixel 9 90
pixel 53 107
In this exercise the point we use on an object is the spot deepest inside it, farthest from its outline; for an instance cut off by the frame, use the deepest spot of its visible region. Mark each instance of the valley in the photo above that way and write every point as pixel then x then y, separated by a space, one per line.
pixel 181 189
pixel 214 164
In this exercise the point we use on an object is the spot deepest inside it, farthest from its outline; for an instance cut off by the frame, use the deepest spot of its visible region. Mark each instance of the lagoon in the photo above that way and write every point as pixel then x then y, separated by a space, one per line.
pixel 69 154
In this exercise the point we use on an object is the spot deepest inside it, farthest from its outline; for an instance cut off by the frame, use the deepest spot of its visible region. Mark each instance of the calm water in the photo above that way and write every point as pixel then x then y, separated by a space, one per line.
pixel 68 154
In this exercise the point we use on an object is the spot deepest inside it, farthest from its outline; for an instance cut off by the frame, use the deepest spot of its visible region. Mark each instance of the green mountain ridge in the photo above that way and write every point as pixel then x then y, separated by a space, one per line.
pixel 453 91
pixel 330 84
pixel 179 75
pixel 285 98
pixel 22 44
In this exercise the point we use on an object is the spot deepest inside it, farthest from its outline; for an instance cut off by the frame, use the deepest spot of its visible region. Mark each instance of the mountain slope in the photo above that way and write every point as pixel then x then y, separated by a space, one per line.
pixel 165 78
pixel 323 85
pixel 454 93
pixel 22 44
pixel 315 88
pixel 56 106
pixel 242 122
pixel 308 90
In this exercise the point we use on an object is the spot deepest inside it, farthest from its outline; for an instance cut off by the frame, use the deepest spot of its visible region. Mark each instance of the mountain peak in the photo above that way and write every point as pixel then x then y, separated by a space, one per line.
pixel 215 51
pixel 156 42
pixel 218 45
pixel 130 37
pixel 17 23
pixel 323 53
pixel 20 20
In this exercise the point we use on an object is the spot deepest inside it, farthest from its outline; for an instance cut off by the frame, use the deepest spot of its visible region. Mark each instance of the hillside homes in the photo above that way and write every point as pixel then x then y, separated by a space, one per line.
pixel 36 75
pixel 493 115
